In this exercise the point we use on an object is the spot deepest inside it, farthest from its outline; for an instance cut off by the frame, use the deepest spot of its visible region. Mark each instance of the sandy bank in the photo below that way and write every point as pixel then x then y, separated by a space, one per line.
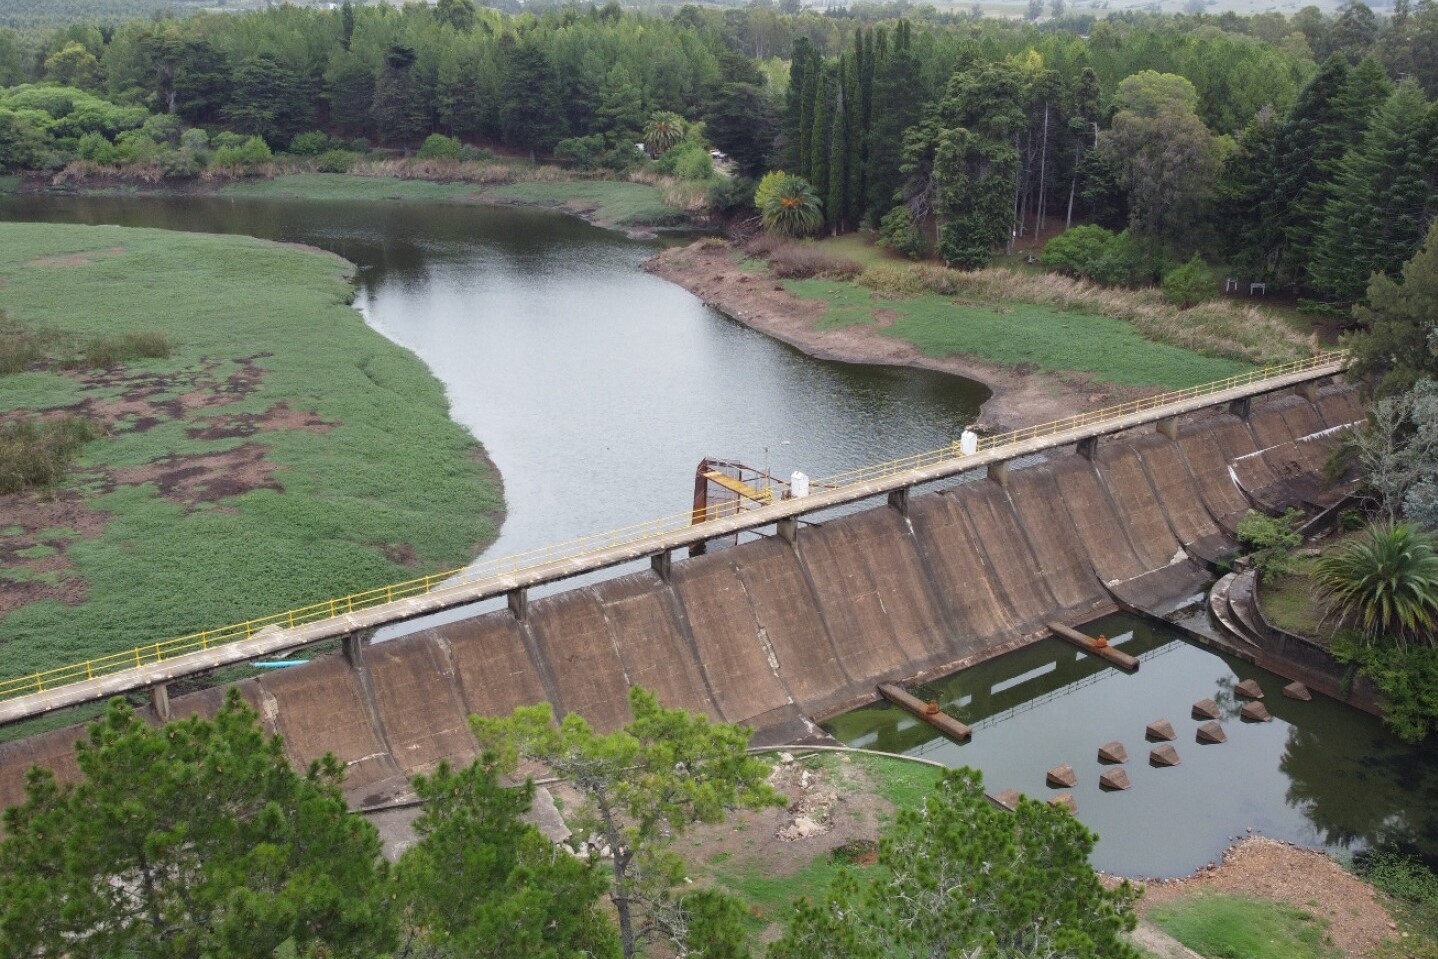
pixel 1019 398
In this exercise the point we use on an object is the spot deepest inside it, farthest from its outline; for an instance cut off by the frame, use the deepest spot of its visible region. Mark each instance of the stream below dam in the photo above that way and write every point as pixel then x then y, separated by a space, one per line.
pixel 596 389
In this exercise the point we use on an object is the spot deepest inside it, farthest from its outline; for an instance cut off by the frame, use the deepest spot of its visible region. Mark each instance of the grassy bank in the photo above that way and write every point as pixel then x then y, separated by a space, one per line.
pixel 1029 319
pixel 1236 927
pixel 281 453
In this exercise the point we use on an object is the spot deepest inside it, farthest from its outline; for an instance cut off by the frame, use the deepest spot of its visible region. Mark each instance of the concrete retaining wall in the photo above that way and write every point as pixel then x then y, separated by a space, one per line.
pixel 771 632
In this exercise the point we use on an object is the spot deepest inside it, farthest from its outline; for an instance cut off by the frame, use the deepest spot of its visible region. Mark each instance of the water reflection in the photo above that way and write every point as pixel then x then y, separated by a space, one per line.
pixel 1320 774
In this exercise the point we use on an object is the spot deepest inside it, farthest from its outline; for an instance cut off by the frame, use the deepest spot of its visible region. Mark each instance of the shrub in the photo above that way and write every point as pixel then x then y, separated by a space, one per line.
pixel 580 152
pixel 1078 251
pixel 35 452
pixel 1270 541
pixel 101 352
pixel 163 128
pixel 730 196
pixel 789 205
pixel 899 232
pixel 688 160
pixel 1408 679
pixel 195 140
pixel 1385 584
pixel 1190 284
pixel 437 146
pixel 1124 263
pixel 797 261
pixel 253 151
pixel 309 144
pixel 96 149
pixel 467 154
pixel 335 161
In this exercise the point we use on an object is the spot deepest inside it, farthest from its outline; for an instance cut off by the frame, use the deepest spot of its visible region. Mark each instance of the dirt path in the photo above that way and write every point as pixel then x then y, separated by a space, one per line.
pixel 1304 878
pixel 1019 399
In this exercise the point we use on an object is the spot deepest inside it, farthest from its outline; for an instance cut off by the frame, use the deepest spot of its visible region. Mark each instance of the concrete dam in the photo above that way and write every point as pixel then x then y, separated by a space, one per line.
pixel 778 632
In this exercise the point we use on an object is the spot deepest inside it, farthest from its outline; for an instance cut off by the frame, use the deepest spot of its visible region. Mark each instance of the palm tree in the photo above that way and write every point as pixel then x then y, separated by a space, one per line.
pixel 1386 584
pixel 791 207
pixel 663 131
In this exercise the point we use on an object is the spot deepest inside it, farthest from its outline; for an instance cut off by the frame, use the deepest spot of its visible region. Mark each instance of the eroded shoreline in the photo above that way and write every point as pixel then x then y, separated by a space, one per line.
pixel 1017 399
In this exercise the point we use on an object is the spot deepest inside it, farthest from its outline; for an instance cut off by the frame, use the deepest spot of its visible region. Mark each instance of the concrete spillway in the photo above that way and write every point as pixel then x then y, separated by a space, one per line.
pixel 772 633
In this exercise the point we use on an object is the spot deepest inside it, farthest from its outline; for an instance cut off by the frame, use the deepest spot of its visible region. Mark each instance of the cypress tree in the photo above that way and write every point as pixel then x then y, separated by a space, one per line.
pixel 839 149
pixel 819 149
pixel 804 159
pixel 896 106
pixel 796 99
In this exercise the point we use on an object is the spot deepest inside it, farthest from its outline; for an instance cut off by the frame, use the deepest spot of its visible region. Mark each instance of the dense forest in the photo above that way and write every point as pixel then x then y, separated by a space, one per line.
pixel 1299 150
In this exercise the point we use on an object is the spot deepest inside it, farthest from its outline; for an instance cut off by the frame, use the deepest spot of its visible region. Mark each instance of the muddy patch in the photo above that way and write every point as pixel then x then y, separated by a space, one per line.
pixel 36 531
pixel 207 477
pixel 277 417
pixel 76 259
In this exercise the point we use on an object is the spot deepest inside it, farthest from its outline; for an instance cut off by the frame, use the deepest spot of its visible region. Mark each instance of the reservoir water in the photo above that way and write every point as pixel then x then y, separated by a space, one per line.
pixel 1320 774
pixel 597 388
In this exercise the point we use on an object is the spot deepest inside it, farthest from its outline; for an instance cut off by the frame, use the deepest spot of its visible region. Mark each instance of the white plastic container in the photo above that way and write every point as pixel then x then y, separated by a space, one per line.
pixel 798 484
pixel 969 443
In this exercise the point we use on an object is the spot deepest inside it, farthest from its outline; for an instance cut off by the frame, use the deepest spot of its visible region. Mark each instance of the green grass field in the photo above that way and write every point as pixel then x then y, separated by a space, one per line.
pixel 1020 334
pixel 613 201
pixel 340 186
pixel 1232 927
pixel 283 453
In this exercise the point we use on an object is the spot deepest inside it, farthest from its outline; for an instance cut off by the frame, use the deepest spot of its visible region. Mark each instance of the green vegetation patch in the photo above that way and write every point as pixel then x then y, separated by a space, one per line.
pixel 1021 335
pixel 1232 927
pixel 613 201
pixel 340 186
pixel 282 453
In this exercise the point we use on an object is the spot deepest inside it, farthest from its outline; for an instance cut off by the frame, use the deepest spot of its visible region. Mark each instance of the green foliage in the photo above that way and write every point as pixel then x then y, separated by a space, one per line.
pixel 664 131
pixel 104 352
pixel 309 144
pixel 1408 679
pixel 482 884
pixel 336 161
pixel 899 232
pixel 390 467
pixel 643 785
pixel 192 839
pixel 1190 284
pixel 252 152
pixel 711 926
pixel 1407 880
pixel 788 205
pixel 1270 541
pixel 731 196
pixel 687 160
pixel 437 146
pixel 36 452
pixel 582 153
pixel 1234 927
pixel 964 877
pixel 1078 250
pixel 1384 584
pixel 1398 343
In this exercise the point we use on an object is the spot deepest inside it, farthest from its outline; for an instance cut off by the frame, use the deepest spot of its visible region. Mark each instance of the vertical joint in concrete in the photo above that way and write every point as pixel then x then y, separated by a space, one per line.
pixel 899 500
pixel 662 564
pixel 1168 427
pixel 160 699
pixel 519 603
pixel 788 528
pixel 999 472
pixel 1087 447
pixel 353 644
pixel 1241 408
pixel 1309 390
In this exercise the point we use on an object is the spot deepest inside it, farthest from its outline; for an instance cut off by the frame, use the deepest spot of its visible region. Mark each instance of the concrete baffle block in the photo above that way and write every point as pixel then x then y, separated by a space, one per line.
pixel 1112 753
pixel 1206 709
pixel 1009 798
pixel 1164 755
pixel 1063 777
pixel 1066 800
pixel 1211 732
pixel 1254 712
pixel 1249 689
pixel 1113 779
pixel 1160 730
pixel 1297 691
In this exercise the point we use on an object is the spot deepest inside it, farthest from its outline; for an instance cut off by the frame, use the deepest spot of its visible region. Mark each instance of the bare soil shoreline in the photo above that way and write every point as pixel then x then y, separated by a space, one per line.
pixel 1018 398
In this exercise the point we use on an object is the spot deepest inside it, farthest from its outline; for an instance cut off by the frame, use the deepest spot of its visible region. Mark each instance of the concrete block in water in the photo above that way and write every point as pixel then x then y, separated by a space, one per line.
pixel 1063 776
pixel 1112 753
pixel 1211 732
pixel 1297 691
pixel 1160 730
pixel 1206 709
pixel 1066 800
pixel 1009 798
pixel 1254 712
pixel 1114 779
pixel 1249 689
pixel 1164 755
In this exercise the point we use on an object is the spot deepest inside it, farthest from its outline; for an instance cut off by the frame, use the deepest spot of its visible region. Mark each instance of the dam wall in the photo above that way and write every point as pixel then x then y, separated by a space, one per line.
pixel 777 632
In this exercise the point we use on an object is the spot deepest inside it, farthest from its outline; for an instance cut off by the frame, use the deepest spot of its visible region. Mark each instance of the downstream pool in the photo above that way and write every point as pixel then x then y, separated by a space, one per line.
pixel 1320 774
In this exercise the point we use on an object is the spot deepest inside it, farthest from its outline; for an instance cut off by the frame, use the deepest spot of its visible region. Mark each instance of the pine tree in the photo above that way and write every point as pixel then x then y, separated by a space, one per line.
pixel 349 88
pixel 532 117
pixel 819 148
pixel 897 106
pixel 1375 219
pixel 804 157
pixel 400 110
pixel 795 101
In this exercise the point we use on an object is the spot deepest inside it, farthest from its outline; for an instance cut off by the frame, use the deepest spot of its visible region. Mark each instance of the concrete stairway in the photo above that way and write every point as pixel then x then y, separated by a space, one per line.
pixel 1231 604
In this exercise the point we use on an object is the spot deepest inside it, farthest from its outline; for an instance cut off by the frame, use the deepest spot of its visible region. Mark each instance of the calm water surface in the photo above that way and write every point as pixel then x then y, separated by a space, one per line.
pixel 1319 774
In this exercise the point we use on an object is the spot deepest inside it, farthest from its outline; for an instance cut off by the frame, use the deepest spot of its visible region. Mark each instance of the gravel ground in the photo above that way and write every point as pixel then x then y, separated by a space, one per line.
pixel 1268 869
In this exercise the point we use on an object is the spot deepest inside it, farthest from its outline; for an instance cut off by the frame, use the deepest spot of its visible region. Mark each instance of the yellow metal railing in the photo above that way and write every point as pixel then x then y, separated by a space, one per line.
pixel 496 569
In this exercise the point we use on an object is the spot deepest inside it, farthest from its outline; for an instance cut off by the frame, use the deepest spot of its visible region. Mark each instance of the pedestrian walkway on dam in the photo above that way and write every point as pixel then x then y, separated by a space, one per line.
pixel 154 665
